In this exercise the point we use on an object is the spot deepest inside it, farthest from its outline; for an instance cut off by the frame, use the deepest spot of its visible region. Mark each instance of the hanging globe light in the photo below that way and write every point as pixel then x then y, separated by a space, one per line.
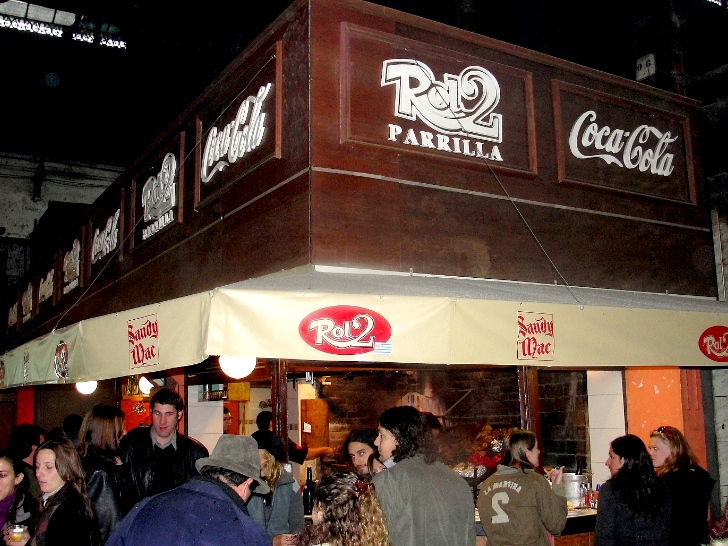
pixel 145 386
pixel 86 387
pixel 237 367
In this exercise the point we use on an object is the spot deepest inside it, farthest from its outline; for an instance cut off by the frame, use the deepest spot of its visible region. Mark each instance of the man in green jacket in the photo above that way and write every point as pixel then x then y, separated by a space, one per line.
pixel 425 503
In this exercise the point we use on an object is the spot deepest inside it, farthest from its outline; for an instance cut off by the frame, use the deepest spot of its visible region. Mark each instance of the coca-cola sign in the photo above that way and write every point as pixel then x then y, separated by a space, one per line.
pixel 344 330
pixel 643 148
pixel 713 343
pixel 609 142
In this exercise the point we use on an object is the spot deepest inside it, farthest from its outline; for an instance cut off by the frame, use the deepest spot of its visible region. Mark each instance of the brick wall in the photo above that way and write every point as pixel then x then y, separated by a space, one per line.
pixel 564 418
pixel 469 399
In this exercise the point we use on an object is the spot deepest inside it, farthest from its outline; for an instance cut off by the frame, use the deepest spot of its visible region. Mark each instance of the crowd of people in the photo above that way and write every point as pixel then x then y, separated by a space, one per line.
pixel 94 484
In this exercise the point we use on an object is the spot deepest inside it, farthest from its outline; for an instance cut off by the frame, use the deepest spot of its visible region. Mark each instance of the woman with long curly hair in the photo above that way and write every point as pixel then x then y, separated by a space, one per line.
pixel 108 481
pixel 346 512
pixel 279 512
pixel 689 485
pixel 66 516
pixel 634 506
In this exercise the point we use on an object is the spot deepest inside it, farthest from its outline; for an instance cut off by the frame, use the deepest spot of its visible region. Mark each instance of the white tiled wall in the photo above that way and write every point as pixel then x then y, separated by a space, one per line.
pixel 606 418
pixel 720 399
pixel 204 419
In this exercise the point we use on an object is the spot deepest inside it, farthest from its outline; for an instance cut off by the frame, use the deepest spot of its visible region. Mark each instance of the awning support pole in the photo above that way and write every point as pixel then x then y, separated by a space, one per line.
pixel 530 407
pixel 279 395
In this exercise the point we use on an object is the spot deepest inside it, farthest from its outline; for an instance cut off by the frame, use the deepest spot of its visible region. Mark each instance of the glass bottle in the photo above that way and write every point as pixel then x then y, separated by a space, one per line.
pixel 308 488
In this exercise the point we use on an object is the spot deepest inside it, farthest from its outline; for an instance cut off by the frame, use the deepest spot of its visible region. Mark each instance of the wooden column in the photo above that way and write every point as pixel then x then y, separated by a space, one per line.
pixel 530 406
pixel 279 396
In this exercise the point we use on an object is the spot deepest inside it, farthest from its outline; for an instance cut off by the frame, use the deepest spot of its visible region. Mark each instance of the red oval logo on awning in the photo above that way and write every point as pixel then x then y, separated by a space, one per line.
pixel 344 330
pixel 713 343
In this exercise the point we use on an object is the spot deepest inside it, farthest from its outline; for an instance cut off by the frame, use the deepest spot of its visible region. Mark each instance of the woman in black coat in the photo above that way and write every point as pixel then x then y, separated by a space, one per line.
pixel 66 516
pixel 107 479
pixel 690 486
pixel 634 506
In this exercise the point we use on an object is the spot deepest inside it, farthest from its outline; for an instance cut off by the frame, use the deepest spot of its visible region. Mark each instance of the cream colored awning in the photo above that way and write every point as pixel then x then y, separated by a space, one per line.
pixel 336 314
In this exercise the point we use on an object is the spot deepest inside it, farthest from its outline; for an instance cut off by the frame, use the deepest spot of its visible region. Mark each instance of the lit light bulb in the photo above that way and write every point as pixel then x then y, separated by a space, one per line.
pixel 237 367
pixel 145 386
pixel 86 387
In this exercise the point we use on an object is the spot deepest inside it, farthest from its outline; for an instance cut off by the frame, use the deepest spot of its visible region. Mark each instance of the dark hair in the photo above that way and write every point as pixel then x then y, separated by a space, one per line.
pixel 72 425
pixel 15 461
pixel 363 436
pixel 167 397
pixel 515 445
pixel 68 466
pixel 225 410
pixel 409 428
pixel 227 476
pixel 101 432
pixel 24 437
pixel 636 482
pixel 433 423
pixel 263 419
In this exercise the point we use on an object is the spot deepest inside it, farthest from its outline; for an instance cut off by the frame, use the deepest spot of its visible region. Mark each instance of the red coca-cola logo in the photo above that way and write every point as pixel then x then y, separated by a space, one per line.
pixel 344 330
pixel 713 343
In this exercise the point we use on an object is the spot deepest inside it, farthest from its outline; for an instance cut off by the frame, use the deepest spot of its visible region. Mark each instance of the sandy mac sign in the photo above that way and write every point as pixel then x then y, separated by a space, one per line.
pixel 344 330
pixel 535 336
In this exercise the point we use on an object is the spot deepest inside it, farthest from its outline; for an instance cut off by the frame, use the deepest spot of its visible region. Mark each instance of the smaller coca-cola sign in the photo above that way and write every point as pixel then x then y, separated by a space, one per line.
pixel 535 336
pixel 713 343
pixel 344 330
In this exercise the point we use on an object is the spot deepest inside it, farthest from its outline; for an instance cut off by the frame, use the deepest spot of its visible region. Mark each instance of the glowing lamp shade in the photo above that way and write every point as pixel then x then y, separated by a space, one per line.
pixel 145 386
pixel 237 367
pixel 86 387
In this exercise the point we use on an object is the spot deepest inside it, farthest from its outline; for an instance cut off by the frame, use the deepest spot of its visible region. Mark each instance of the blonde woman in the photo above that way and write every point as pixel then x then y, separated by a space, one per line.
pixel 346 512
pixel 690 486
pixel 280 512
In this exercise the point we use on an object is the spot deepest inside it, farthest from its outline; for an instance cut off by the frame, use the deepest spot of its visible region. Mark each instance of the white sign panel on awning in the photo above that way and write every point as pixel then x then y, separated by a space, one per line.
pixel 328 316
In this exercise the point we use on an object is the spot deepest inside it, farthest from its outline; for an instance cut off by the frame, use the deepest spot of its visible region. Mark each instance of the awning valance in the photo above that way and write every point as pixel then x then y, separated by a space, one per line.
pixel 335 314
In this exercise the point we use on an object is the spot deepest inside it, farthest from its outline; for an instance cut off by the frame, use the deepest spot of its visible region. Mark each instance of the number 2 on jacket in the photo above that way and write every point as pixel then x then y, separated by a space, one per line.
pixel 500 515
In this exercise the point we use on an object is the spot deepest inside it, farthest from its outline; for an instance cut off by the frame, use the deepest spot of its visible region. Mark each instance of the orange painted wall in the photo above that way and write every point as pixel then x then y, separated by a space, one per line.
pixel 665 396
pixel 653 397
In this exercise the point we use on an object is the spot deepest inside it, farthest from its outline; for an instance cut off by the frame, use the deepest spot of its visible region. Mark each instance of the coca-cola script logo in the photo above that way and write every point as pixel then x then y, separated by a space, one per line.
pixel 644 148
pixel 713 343
pixel 344 330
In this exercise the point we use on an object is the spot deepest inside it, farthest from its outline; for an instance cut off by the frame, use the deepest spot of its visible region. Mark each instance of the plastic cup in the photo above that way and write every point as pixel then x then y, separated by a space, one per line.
pixel 16 533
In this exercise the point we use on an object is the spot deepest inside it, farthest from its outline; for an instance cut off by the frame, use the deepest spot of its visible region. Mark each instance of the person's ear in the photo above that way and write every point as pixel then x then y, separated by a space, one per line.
pixel 19 477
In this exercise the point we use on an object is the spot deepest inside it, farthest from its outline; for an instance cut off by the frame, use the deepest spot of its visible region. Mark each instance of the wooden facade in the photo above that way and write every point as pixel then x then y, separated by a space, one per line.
pixel 353 135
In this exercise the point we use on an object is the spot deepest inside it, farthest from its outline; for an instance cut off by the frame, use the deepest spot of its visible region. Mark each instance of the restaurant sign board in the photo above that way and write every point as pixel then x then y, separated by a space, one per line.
pixel 71 266
pixel 429 100
pixel 238 132
pixel 535 336
pixel 143 335
pixel 345 330
pixel 26 301
pixel 713 343
pixel 156 191
pixel 612 143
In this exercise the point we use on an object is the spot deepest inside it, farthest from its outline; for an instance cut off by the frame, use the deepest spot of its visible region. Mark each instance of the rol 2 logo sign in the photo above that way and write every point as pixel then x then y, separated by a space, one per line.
pixel 344 330
pixel 713 343
pixel 457 109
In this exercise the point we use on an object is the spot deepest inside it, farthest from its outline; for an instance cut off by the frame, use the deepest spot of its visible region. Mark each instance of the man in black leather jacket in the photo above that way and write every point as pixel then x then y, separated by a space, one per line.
pixel 159 457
